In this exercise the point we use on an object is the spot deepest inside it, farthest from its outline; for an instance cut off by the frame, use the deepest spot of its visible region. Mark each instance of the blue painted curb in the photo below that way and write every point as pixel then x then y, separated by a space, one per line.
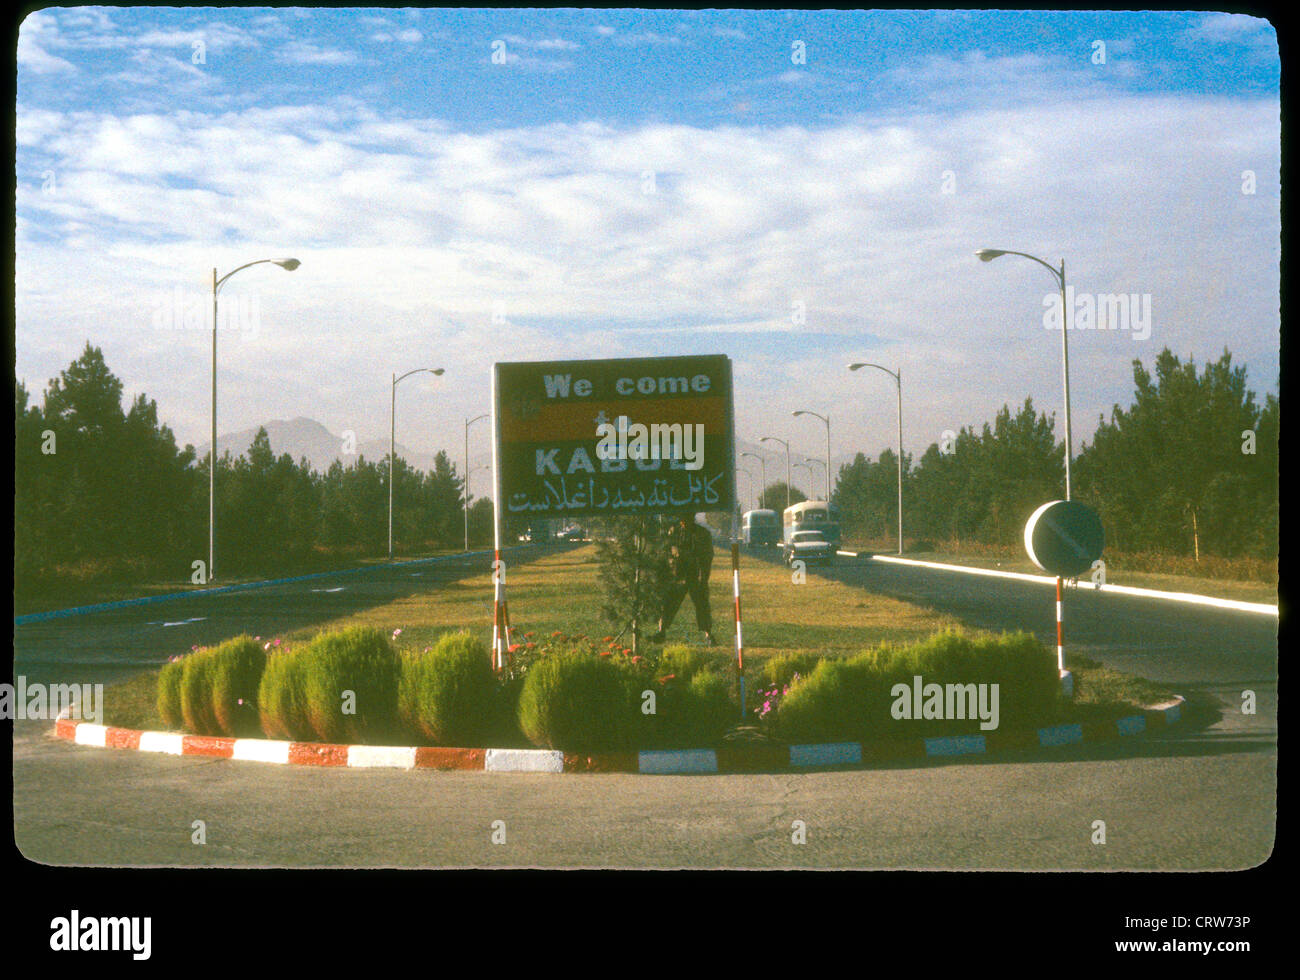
pixel 240 587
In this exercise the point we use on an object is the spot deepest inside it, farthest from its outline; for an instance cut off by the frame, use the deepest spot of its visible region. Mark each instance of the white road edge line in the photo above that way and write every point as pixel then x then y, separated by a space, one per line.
pixel 1190 597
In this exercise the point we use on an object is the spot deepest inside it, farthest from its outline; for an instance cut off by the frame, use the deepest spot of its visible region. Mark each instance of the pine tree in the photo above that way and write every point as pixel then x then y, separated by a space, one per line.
pixel 633 555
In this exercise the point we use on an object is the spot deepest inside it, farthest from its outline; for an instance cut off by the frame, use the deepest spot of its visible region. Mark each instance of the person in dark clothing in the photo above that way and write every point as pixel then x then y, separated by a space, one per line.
pixel 690 560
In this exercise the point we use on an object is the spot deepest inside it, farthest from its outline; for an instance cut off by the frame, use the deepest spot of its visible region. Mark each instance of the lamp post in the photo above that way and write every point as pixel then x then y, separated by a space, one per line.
pixel 762 462
pixel 898 380
pixel 289 265
pixel 828 448
pixel 392 446
pixel 751 479
pixel 988 255
pixel 787 465
pixel 468 423
pixel 811 475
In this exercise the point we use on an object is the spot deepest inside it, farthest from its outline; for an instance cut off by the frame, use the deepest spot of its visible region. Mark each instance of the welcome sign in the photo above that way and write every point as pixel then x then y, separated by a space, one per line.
pixel 609 437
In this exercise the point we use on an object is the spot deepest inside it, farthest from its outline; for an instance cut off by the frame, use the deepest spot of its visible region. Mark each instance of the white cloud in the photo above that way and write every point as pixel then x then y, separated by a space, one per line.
pixel 415 231
pixel 309 53
pixel 541 44
pixel 37 31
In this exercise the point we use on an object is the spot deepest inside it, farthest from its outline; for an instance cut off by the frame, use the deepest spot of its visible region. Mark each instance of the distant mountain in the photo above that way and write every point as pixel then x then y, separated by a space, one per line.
pixel 306 437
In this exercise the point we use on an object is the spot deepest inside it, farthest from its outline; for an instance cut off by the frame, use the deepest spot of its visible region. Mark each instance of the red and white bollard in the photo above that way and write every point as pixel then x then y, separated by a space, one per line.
pixel 740 644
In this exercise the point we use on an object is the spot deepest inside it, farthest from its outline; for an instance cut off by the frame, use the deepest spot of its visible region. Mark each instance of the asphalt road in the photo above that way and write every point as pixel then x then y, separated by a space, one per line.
pixel 1199 796
pixel 103 647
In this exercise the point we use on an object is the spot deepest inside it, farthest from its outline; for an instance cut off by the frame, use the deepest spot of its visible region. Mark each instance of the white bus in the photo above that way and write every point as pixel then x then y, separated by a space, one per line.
pixel 760 528
pixel 812 515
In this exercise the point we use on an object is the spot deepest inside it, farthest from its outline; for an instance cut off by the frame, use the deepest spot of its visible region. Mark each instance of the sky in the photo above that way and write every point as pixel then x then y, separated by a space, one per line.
pixel 796 190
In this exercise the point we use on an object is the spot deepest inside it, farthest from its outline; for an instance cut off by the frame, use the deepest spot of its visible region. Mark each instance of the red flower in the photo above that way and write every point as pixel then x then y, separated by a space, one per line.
pixel 529 646
pixel 607 639
pixel 513 648
pixel 604 653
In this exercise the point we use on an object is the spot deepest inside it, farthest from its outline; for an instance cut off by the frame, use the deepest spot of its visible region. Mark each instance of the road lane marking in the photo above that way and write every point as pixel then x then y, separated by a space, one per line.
pixel 1189 597
pixel 241 587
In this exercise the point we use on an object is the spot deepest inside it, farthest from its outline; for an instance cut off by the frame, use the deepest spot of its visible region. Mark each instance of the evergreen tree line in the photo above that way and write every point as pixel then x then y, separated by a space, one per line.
pixel 103 490
pixel 1189 468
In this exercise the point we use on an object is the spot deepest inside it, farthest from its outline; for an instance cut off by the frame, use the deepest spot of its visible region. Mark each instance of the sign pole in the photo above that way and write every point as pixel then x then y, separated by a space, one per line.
pixel 1060 630
pixel 499 630
pixel 740 644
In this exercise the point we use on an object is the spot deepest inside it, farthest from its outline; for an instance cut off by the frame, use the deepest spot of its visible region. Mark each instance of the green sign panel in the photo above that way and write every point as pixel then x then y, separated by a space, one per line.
pixel 608 437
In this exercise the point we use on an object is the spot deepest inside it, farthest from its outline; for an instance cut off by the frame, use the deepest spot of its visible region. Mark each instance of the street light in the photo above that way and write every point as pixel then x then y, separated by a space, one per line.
pixel 290 265
pixel 787 465
pixel 468 423
pixel 762 461
pixel 828 449
pixel 751 479
pixel 392 446
pixel 988 255
pixel 898 380
pixel 811 475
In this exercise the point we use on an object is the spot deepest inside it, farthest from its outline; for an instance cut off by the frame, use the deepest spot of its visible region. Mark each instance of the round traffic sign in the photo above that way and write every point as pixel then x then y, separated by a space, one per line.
pixel 1064 537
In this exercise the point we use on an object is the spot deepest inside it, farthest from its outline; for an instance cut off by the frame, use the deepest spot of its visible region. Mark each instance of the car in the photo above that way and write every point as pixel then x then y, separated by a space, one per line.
pixel 809 547
pixel 572 534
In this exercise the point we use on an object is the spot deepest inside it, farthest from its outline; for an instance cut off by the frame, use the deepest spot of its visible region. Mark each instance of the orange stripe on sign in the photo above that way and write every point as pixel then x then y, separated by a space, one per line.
pixel 577 419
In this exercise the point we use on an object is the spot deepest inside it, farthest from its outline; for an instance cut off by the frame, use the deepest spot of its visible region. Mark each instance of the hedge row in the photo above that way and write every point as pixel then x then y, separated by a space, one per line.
pixel 353 686
pixel 855 698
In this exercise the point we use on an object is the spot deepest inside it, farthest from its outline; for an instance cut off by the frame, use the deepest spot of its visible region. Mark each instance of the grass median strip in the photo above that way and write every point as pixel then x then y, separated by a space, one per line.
pixel 789 628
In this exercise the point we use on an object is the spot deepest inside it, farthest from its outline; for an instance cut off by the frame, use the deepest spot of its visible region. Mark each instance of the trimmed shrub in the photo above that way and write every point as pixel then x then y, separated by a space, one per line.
pixel 778 671
pixel 710 710
pixel 685 662
pixel 827 705
pixel 196 693
pixel 854 699
pixel 237 667
pixel 282 710
pixel 581 702
pixel 349 686
pixel 448 695
pixel 218 688
pixel 169 694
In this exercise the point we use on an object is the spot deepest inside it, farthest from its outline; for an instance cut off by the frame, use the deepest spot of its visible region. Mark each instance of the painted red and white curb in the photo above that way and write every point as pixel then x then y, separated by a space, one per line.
pixel 737 758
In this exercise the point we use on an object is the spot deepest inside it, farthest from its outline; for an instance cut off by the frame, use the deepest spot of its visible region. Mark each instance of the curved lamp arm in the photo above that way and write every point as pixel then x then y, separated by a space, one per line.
pixel 289 264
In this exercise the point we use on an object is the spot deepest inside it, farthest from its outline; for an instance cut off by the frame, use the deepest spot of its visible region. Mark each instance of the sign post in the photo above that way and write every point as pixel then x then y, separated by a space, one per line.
pixel 1064 538
pixel 607 438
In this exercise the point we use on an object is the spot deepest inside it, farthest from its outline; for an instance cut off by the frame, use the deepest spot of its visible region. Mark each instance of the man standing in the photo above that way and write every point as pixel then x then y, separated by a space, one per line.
pixel 690 560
